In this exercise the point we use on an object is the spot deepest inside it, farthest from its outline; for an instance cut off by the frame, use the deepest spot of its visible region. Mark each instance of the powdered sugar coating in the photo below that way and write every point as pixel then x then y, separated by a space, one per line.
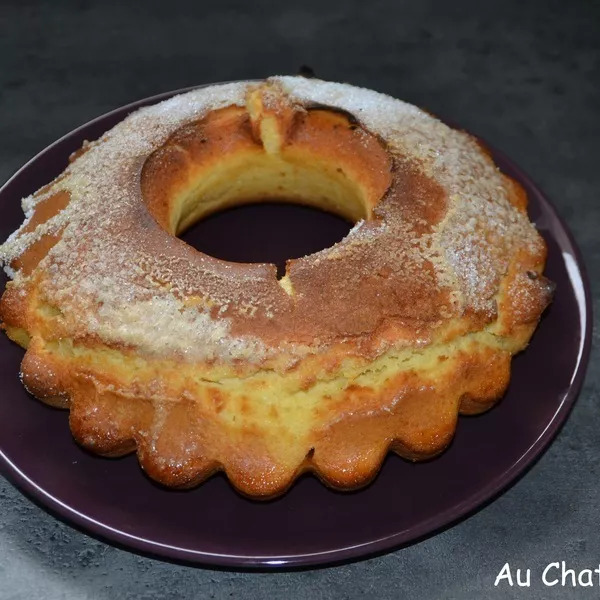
pixel 115 300
pixel 132 284
pixel 477 192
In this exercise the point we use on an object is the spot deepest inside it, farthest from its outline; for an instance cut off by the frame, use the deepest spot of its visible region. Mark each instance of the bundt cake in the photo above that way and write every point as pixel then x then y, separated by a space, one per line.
pixel 197 364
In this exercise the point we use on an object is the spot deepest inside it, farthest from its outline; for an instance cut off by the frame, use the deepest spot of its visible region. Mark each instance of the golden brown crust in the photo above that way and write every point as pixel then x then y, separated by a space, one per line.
pixel 44 210
pixel 373 345
pixel 179 443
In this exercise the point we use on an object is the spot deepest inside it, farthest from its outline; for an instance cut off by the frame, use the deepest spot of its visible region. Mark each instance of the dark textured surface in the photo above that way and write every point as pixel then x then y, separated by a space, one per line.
pixel 525 76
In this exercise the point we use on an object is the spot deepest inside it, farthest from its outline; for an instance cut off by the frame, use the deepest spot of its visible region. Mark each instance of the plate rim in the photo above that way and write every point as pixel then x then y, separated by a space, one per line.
pixel 447 518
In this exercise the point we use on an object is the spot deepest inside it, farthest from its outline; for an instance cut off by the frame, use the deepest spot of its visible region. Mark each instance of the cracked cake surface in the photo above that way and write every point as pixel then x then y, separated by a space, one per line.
pixel 198 364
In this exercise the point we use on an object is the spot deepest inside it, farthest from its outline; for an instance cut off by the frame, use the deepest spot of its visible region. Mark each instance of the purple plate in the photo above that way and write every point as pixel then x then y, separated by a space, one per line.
pixel 311 524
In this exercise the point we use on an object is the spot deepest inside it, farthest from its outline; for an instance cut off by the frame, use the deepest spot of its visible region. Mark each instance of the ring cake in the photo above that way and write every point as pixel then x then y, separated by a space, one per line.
pixel 201 365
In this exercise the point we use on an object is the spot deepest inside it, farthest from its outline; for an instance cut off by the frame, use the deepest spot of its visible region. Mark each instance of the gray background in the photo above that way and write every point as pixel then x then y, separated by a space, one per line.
pixel 525 76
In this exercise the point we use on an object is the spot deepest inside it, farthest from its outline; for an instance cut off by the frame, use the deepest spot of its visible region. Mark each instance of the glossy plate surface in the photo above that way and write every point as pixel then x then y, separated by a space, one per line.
pixel 310 524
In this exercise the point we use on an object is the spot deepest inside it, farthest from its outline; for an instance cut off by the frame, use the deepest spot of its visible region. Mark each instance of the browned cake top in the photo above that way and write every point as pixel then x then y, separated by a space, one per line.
pixel 441 226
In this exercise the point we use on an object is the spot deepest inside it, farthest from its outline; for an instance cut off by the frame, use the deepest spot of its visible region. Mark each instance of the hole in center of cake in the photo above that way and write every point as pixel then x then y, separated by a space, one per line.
pixel 268 232
pixel 263 184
